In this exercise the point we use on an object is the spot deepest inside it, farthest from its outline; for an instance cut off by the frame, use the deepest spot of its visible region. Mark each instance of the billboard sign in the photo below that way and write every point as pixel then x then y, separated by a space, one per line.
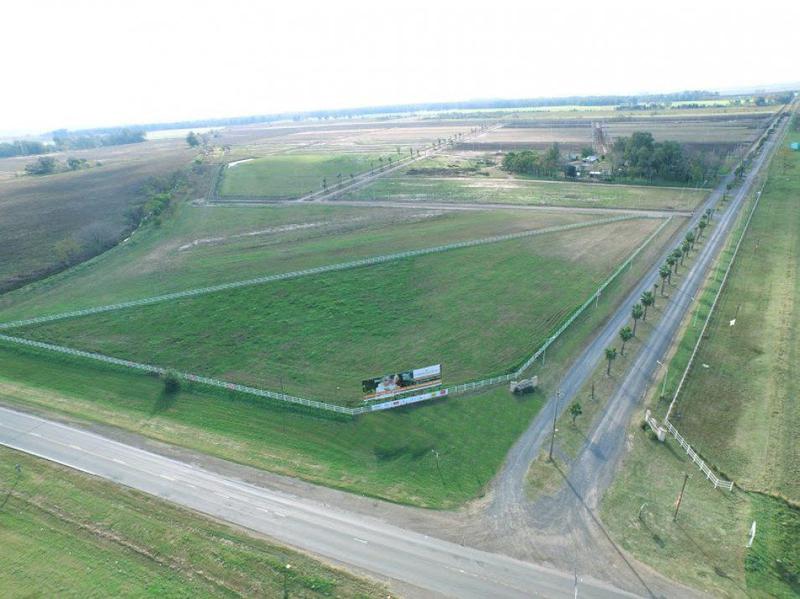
pixel 396 383
pixel 404 401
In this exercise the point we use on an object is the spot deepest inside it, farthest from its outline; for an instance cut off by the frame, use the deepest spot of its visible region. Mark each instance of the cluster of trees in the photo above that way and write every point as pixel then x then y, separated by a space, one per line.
pixel 159 193
pixel 641 157
pixel 64 140
pixel 22 147
pixel 528 162
pixel 47 165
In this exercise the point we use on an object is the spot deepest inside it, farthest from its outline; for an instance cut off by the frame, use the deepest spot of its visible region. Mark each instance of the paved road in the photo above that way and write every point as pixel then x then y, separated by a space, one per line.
pixel 431 567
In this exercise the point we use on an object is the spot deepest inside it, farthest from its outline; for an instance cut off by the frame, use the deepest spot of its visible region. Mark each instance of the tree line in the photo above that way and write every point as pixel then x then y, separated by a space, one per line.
pixel 425 106
pixel 64 140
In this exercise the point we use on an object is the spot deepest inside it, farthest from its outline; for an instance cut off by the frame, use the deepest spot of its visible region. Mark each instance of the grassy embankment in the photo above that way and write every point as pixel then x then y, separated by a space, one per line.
pixel 740 412
pixel 319 336
pixel 68 534
pixel 292 175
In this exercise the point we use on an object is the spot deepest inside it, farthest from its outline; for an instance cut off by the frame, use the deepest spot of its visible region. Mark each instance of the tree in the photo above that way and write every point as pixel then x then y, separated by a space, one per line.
pixel 677 253
pixel 701 227
pixel 44 166
pixel 74 164
pixel 172 384
pixel 691 238
pixel 670 265
pixel 192 139
pixel 685 247
pixel 625 334
pixel 648 299
pixel 664 272
pixel 66 249
pixel 636 313
pixel 575 410
pixel 709 213
pixel 611 355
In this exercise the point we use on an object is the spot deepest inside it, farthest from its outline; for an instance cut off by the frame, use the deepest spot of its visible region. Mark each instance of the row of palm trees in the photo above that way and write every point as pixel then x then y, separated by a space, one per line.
pixel 648 298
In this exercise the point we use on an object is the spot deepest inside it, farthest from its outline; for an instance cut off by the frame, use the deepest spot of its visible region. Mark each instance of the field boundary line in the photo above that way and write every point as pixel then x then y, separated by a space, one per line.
pixel 312 271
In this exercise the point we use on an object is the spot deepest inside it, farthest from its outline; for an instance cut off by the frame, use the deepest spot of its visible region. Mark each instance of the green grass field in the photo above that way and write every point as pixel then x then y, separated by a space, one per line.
pixel 319 336
pixel 292 175
pixel 739 411
pixel 67 534
pixel 528 192
pixel 203 245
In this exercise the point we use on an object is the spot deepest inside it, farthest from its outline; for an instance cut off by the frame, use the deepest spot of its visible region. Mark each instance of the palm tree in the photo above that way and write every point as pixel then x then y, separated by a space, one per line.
pixel 575 410
pixel 626 335
pixel 685 247
pixel 648 299
pixel 664 272
pixel 670 264
pixel 709 213
pixel 690 237
pixel 677 253
pixel 702 225
pixel 611 355
pixel 324 183
pixel 636 313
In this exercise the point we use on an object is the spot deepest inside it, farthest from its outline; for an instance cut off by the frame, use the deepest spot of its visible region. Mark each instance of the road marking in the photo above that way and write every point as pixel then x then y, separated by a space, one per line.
pixel 32 434
pixel 361 540
pixel 118 461
pixel 74 447
pixel 166 477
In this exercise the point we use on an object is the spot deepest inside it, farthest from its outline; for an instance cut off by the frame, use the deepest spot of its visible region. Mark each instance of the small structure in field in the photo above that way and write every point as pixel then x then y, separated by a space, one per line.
pixel 524 386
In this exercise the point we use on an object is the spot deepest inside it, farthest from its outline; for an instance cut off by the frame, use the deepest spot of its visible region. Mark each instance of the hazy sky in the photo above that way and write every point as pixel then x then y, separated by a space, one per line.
pixel 85 63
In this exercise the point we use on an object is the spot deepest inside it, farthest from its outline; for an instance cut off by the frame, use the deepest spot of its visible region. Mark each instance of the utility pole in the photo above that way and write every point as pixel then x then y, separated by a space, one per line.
pixel 592 390
pixel 680 497
pixel 555 415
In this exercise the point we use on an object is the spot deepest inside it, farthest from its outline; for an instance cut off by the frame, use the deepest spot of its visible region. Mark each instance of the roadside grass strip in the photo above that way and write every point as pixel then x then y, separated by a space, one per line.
pixel 313 271
pixel 325 406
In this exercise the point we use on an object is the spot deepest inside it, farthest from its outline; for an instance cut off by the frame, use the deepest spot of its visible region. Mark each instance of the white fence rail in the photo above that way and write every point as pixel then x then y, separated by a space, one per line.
pixel 310 271
pixel 718 483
